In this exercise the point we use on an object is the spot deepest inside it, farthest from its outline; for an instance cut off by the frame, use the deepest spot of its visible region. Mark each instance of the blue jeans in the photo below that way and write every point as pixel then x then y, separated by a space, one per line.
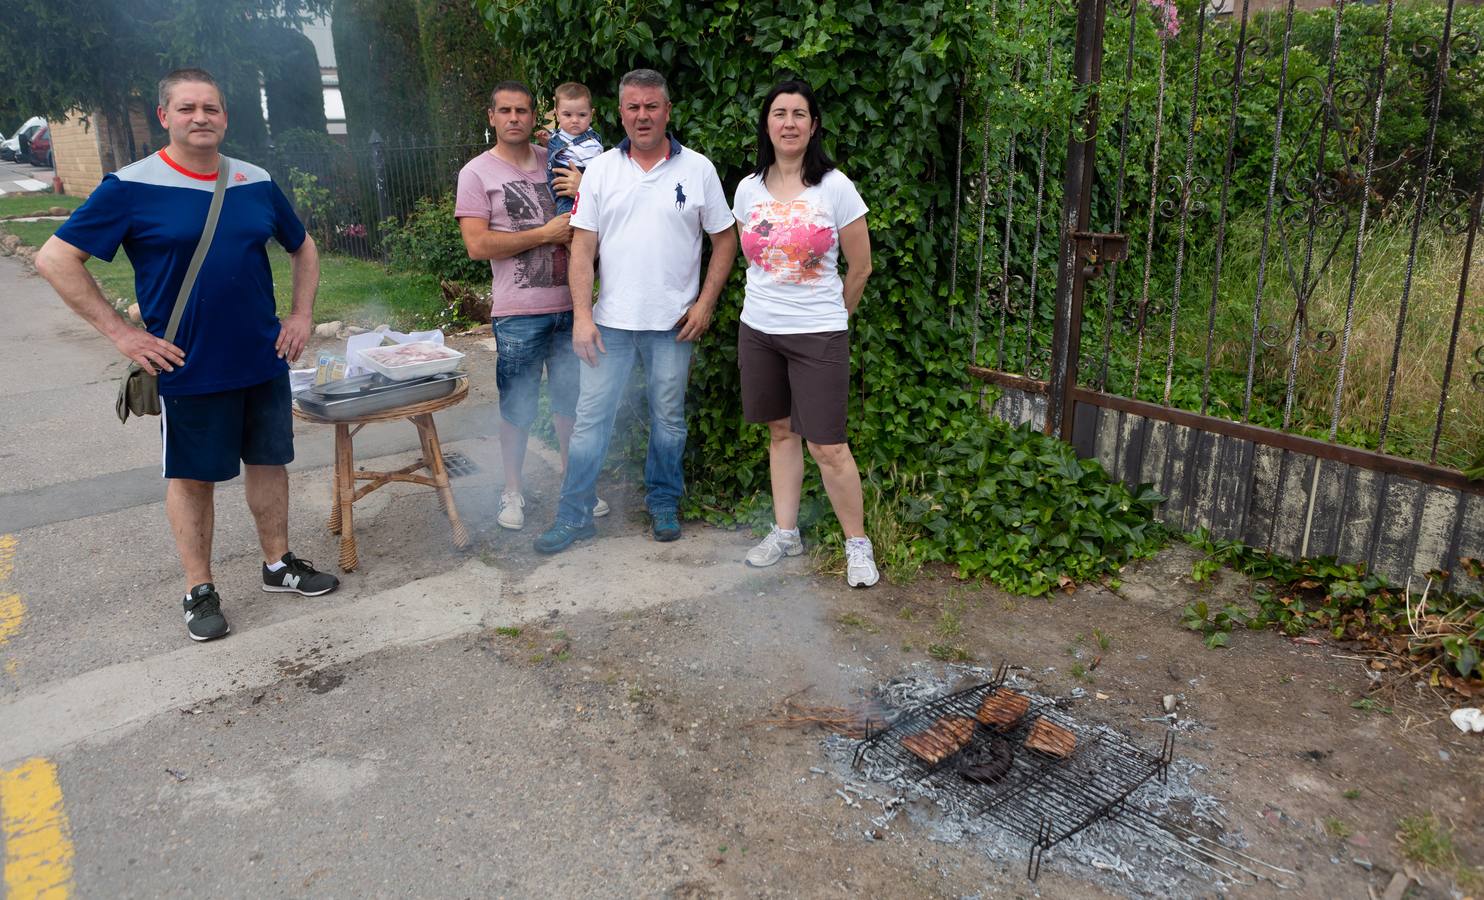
pixel 666 369
pixel 525 345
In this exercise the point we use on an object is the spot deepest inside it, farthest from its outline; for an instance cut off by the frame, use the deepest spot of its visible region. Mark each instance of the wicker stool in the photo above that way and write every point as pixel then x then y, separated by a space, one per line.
pixel 346 475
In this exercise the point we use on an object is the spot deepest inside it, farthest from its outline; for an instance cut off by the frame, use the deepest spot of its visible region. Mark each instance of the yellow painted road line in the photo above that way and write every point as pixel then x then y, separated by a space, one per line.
pixel 12 610
pixel 7 555
pixel 38 843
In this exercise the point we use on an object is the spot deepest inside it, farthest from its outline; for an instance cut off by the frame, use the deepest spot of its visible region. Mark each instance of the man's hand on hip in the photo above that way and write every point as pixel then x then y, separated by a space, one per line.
pixel 293 333
pixel 153 354
pixel 695 322
pixel 587 341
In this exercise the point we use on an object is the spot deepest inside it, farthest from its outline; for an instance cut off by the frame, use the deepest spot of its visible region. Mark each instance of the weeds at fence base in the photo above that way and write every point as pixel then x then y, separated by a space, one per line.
pixel 1423 636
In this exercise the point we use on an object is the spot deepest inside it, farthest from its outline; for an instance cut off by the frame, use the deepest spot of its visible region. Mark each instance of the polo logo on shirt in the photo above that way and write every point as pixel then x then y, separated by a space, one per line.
pixel 239 177
pixel 679 196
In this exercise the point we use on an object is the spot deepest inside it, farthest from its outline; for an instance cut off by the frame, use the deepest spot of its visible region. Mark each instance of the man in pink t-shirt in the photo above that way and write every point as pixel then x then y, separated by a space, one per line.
pixel 507 216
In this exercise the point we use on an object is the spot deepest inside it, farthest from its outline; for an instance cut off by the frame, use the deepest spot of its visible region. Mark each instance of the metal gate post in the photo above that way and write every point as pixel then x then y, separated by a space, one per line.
pixel 1076 249
pixel 378 176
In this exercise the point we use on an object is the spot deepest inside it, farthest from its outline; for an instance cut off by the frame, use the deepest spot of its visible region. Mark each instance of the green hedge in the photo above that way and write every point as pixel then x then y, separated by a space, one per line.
pixel 886 76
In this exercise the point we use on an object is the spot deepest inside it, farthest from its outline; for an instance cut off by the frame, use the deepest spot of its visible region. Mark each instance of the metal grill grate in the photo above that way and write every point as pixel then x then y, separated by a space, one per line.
pixel 1039 797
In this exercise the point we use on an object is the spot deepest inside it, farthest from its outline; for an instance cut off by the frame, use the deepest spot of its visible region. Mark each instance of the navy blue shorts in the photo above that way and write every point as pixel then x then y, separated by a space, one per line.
pixel 206 435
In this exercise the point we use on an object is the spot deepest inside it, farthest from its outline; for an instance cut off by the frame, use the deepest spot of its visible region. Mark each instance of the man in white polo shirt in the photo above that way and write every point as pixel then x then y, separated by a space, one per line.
pixel 640 211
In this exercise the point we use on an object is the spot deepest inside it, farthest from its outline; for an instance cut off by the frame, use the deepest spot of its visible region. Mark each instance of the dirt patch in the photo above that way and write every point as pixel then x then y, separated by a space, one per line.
pixel 1308 781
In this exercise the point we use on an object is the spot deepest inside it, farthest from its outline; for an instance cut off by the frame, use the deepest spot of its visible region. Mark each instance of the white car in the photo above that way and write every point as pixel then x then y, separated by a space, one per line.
pixel 10 148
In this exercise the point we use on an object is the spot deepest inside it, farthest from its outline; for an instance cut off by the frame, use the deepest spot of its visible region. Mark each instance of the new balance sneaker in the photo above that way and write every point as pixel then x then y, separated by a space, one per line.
pixel 601 508
pixel 561 536
pixel 512 510
pixel 860 563
pixel 298 576
pixel 203 613
pixel 666 524
pixel 775 546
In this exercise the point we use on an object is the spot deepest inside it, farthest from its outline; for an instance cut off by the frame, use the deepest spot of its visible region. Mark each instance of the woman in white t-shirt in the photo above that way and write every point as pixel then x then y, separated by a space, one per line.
pixel 798 214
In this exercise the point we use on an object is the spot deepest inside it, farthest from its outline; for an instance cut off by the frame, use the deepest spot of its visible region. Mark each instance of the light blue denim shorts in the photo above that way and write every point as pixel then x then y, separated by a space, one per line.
pixel 526 345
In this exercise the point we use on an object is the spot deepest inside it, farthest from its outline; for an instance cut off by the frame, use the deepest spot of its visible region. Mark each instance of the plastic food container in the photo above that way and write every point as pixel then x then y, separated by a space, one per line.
pixel 414 360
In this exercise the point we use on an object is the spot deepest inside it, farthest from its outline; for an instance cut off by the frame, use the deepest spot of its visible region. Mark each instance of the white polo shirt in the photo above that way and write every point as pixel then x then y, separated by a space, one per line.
pixel 649 227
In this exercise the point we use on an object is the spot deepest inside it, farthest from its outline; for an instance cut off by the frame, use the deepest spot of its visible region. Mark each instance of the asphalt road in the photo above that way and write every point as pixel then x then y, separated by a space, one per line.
pixel 449 723
pixel 23 177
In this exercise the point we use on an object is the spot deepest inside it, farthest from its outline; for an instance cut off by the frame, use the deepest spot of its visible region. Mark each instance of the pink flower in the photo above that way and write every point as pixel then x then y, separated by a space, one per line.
pixel 1168 16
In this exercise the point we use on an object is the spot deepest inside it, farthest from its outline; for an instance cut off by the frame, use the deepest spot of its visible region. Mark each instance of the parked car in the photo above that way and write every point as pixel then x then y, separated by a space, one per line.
pixel 10 149
pixel 41 148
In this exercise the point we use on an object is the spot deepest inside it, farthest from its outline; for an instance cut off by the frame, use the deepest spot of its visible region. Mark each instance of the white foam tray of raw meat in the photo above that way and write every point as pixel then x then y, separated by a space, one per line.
pixel 413 360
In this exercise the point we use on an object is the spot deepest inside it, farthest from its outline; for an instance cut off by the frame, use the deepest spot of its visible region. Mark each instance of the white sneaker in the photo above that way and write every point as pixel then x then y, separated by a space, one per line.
pixel 512 510
pixel 601 508
pixel 774 547
pixel 860 563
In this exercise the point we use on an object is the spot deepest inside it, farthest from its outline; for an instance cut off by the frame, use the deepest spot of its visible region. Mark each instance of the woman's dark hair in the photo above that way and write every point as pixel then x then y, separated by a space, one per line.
pixel 816 161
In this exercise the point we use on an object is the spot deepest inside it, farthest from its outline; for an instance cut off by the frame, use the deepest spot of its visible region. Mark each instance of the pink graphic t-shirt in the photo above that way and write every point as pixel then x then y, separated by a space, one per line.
pixel 793 250
pixel 511 199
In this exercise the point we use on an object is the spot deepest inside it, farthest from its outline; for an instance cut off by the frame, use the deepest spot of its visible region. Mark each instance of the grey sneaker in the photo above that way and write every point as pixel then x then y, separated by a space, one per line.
pixel 512 510
pixel 601 508
pixel 665 524
pixel 203 613
pixel 860 563
pixel 775 546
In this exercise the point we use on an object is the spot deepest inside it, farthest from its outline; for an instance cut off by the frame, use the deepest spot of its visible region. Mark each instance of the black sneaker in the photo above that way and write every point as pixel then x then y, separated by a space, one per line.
pixel 203 614
pixel 298 576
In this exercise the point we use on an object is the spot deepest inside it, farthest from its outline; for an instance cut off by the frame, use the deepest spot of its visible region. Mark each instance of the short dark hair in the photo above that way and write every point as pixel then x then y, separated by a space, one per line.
pixel 178 76
pixel 817 163
pixel 644 78
pixel 512 86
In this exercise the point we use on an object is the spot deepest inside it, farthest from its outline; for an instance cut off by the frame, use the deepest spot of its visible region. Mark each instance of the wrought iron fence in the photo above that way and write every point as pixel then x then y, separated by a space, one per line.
pixel 346 194
pixel 1296 196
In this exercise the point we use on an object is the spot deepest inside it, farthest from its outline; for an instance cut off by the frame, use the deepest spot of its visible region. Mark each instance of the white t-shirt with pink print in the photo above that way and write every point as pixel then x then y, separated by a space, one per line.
pixel 793 250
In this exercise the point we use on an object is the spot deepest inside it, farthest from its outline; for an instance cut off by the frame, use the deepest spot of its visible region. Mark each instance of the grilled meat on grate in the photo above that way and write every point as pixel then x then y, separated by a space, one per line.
pixel 946 737
pixel 1051 738
pixel 1003 708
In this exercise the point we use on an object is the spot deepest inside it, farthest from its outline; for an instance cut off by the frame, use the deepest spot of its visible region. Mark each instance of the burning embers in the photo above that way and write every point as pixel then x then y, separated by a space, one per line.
pixel 1014 759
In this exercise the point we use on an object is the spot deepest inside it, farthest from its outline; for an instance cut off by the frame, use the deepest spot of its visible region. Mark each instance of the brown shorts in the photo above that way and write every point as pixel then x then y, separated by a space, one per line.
pixel 804 377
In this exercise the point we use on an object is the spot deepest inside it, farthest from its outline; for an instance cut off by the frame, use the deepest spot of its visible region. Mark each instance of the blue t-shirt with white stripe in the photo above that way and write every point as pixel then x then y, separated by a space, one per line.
pixel 156 211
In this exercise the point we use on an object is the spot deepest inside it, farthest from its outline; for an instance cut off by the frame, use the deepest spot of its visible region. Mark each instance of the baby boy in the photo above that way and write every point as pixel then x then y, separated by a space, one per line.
pixel 575 143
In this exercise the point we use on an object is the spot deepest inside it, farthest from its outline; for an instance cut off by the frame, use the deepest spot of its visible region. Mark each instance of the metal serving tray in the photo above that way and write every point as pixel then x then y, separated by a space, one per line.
pixel 367 395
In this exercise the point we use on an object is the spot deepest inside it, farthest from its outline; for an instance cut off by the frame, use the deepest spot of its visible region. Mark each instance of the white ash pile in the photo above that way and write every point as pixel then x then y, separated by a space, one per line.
pixel 1168 838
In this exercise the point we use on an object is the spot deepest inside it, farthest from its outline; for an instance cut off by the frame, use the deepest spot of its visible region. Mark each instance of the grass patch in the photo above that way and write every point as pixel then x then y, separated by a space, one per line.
pixel 1337 828
pixel 350 290
pixel 1351 794
pixel 857 621
pixel 950 622
pixel 949 653
pixel 1105 641
pixel 35 204
pixel 508 631
pixel 1426 840
pixel 1371 705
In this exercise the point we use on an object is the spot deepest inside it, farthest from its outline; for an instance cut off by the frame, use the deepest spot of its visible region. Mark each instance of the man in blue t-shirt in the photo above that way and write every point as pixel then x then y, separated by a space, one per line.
pixel 224 385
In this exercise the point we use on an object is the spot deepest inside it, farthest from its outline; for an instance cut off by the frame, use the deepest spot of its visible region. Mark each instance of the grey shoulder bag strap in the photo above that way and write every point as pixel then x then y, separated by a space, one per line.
pixel 139 391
